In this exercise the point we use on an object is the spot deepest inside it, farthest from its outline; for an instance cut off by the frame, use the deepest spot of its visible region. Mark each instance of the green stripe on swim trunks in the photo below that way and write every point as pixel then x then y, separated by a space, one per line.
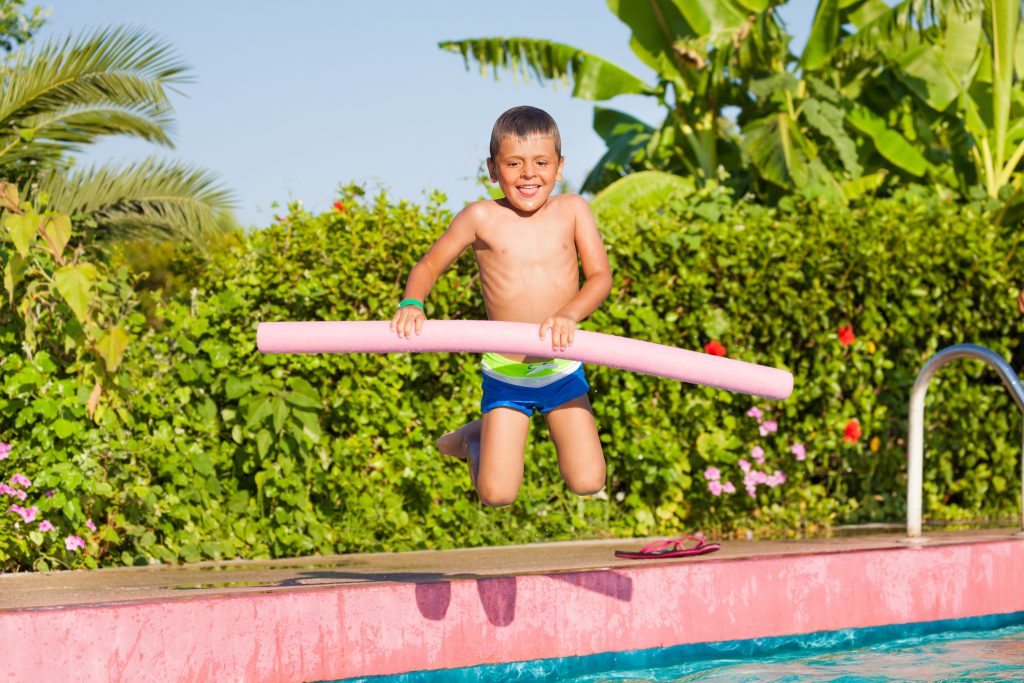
pixel 503 366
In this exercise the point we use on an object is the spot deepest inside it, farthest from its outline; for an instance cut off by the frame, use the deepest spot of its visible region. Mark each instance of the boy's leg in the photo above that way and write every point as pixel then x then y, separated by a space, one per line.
pixel 580 457
pixel 502 442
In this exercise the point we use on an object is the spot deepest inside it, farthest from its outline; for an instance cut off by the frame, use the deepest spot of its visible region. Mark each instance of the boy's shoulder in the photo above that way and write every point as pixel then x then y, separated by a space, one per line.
pixel 569 201
pixel 482 210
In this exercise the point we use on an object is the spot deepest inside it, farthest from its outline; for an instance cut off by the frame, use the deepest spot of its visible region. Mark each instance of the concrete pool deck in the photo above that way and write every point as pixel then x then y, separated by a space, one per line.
pixel 328 618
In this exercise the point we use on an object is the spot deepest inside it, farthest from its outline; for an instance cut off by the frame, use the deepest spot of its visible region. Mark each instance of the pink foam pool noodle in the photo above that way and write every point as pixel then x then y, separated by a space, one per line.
pixel 482 336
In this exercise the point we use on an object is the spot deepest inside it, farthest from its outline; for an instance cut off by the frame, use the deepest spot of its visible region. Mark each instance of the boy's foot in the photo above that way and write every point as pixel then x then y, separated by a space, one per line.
pixel 464 443
pixel 456 443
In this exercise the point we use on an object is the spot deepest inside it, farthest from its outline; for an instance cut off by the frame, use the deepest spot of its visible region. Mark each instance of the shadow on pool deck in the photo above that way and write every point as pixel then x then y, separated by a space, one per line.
pixel 590 565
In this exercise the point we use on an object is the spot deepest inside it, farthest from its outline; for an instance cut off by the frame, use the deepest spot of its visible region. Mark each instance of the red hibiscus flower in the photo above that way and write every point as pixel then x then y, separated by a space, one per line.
pixel 339 207
pixel 846 336
pixel 852 431
pixel 714 348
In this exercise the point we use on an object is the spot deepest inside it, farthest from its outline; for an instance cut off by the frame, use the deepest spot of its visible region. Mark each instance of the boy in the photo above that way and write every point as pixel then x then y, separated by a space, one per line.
pixel 529 247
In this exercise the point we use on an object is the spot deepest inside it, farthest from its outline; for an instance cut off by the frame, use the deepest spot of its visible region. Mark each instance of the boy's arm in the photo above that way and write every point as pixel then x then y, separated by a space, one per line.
pixel 597 276
pixel 459 235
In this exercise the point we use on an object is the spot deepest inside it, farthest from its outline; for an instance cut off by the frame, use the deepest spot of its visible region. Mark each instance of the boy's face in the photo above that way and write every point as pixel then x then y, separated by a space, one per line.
pixel 526 170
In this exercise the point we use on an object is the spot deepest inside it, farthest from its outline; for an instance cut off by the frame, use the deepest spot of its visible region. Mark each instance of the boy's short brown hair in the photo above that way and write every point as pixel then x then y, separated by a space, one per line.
pixel 522 122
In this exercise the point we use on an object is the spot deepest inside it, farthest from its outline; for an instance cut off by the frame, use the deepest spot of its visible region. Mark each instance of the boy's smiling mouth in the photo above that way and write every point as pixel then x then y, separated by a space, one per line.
pixel 528 190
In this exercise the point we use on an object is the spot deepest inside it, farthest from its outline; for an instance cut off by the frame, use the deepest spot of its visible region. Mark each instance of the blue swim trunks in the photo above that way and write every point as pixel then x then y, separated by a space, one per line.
pixel 530 386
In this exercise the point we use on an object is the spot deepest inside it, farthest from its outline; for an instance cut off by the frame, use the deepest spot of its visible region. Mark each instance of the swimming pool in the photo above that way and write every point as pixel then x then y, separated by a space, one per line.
pixel 987 648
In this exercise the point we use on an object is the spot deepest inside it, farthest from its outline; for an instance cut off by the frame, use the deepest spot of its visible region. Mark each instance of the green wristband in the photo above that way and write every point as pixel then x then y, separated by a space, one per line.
pixel 412 302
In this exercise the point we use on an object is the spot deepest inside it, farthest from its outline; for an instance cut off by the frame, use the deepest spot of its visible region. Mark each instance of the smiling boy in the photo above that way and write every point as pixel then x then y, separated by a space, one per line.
pixel 529 248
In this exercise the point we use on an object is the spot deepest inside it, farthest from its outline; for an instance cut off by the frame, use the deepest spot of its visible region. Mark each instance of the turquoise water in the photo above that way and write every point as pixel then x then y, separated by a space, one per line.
pixel 989 648
pixel 996 655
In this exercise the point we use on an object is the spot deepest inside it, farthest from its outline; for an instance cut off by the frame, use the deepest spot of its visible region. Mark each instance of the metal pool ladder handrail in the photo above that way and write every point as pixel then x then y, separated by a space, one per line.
pixel 915 435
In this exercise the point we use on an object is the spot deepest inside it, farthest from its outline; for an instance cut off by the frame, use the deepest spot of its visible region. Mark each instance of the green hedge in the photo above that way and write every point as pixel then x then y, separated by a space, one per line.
pixel 212 450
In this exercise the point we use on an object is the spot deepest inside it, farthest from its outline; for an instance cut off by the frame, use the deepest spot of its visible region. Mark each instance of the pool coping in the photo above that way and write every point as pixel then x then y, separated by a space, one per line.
pixel 350 616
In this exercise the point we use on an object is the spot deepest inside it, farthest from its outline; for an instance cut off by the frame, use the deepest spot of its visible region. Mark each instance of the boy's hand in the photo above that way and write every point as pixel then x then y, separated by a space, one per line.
pixel 563 329
pixel 407 319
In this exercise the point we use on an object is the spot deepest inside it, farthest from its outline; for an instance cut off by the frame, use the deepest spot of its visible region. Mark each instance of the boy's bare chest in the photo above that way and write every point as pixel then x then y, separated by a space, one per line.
pixel 521 243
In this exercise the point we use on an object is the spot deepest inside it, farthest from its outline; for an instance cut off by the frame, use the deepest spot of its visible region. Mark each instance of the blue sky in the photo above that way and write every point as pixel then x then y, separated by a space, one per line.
pixel 290 100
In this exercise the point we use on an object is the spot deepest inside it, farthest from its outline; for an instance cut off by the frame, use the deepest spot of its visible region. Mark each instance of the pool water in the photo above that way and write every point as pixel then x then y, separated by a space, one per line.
pixel 995 655
pixel 985 648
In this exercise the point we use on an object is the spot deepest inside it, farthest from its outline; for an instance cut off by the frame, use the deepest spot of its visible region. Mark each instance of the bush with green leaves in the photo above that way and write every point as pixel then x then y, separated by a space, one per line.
pixel 222 452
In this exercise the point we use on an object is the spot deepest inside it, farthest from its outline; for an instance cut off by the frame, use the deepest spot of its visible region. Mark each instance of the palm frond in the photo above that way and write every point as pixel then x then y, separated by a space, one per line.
pixel 148 199
pixel 593 78
pixel 47 138
pixel 119 66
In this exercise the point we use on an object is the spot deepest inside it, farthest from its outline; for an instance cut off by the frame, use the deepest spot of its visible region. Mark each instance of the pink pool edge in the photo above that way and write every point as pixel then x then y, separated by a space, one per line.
pixel 387 626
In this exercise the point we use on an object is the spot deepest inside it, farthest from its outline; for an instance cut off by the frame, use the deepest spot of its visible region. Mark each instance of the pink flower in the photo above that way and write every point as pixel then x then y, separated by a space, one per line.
pixel 74 543
pixel 715 487
pixel 20 479
pixel 5 450
pixel 777 479
pixel 27 514
pixel 88 523
pixel 713 348
pixel 728 487
pixel 757 453
pixel 846 336
pixel 19 494
pixel 7 490
pixel 768 427
pixel 799 451
pixel 744 465
pixel 45 525
pixel 755 413
pixel 752 490
pixel 712 474
pixel 759 477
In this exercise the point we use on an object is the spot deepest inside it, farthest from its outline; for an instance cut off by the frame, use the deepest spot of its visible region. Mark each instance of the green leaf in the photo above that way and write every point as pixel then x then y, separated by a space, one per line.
pixel 827 119
pixel 264 439
pixel 236 386
pixel 14 271
pixel 111 346
pixel 280 411
pixel 258 410
pixel 64 428
pixel 655 25
pixel 648 188
pixel 22 230
pixel 716 323
pixel 890 144
pixel 710 17
pixel 824 36
pixel 626 138
pixel 776 148
pixel 57 230
pixel 202 463
pixel 74 283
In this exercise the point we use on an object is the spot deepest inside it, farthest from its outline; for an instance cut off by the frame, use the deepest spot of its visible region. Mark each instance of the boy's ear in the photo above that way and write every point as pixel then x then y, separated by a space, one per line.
pixel 561 165
pixel 490 170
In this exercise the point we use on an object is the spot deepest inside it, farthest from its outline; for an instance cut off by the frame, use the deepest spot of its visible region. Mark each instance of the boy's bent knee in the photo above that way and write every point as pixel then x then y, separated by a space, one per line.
pixel 495 498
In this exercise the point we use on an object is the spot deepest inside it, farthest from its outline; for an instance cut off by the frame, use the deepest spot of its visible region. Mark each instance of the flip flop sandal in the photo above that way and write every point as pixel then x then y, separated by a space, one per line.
pixel 671 547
